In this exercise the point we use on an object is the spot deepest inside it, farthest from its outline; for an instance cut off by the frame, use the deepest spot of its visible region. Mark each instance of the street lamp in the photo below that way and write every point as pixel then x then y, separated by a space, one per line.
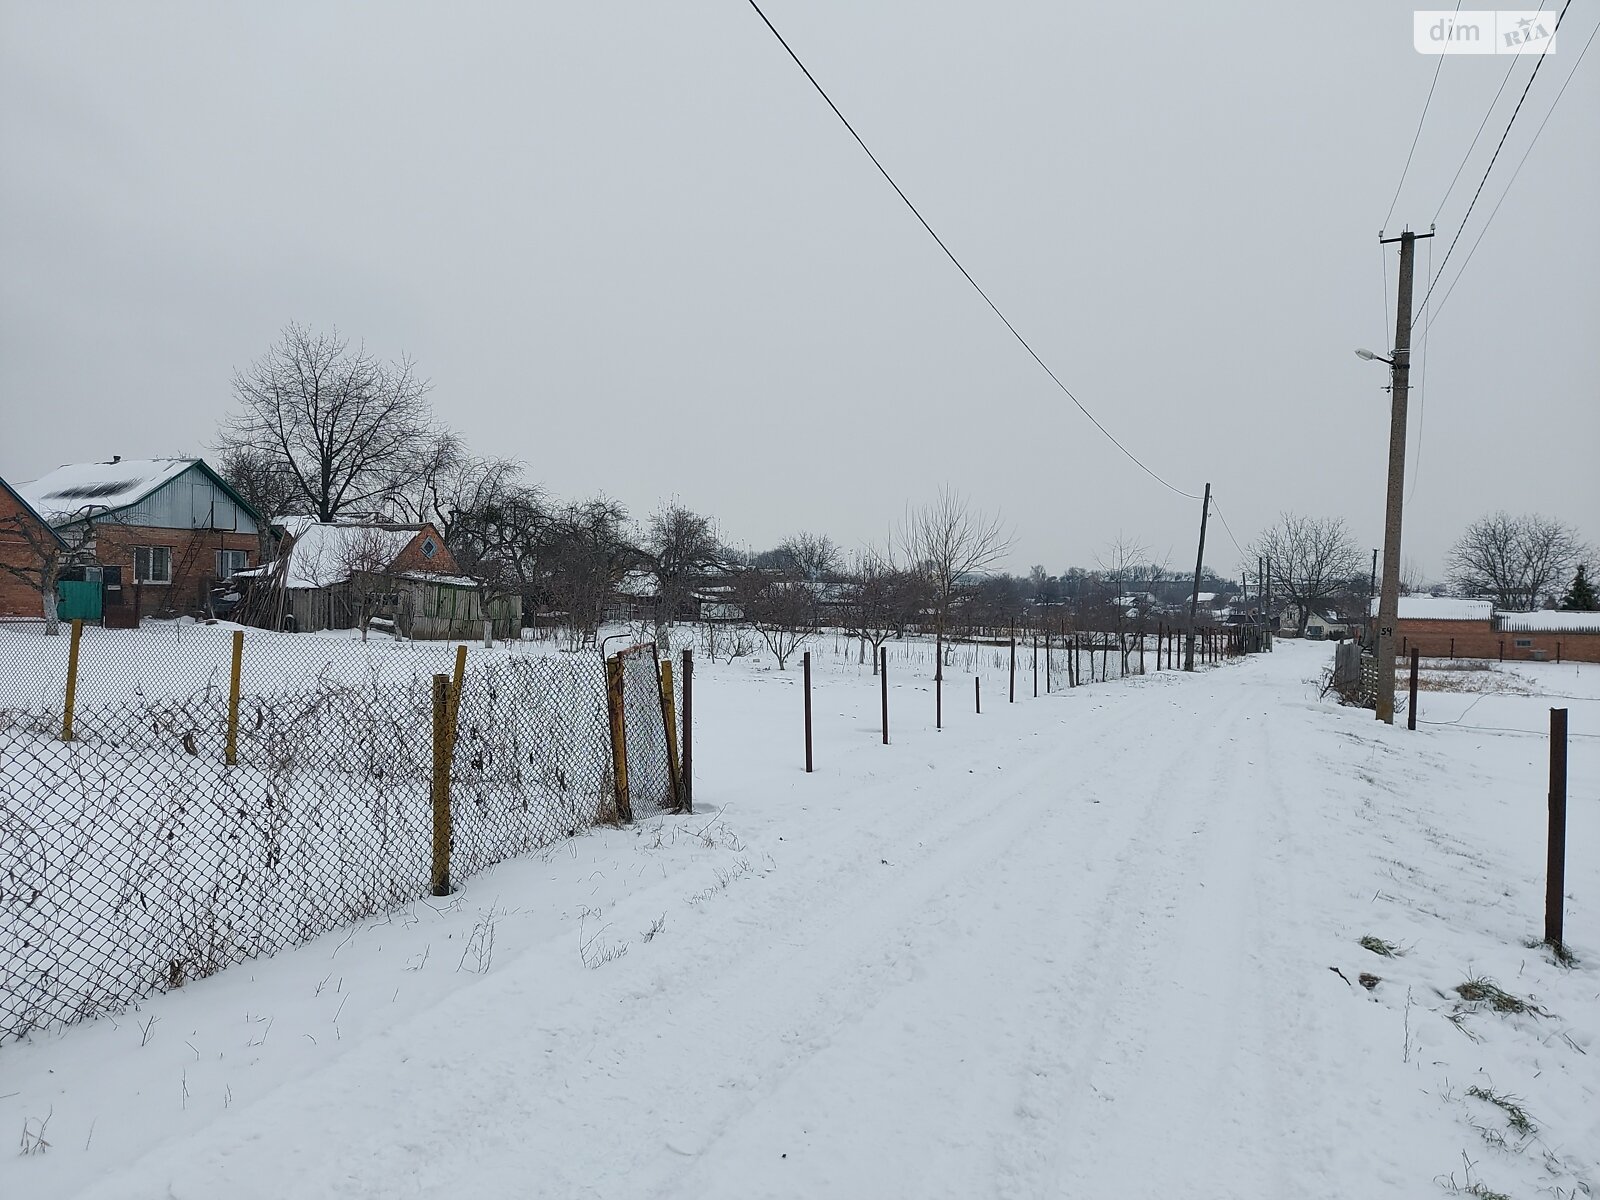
pixel 1370 357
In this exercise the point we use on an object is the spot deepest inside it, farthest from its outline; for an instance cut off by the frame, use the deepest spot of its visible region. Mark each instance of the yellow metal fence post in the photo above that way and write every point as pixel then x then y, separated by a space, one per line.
pixel 455 691
pixel 619 739
pixel 442 753
pixel 669 717
pixel 72 679
pixel 232 754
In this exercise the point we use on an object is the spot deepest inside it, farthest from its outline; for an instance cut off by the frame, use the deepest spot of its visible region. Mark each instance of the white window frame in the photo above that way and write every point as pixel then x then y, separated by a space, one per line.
pixel 1522 643
pixel 241 557
pixel 142 572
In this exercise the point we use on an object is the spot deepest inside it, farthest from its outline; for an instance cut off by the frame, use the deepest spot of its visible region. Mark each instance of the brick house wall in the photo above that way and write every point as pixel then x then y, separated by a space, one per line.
pixel 18 598
pixel 194 562
pixel 1480 639
pixel 412 557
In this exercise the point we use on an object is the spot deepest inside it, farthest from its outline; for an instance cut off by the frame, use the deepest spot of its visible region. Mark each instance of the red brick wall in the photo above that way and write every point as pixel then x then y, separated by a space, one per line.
pixel 1479 639
pixel 412 558
pixel 18 598
pixel 192 574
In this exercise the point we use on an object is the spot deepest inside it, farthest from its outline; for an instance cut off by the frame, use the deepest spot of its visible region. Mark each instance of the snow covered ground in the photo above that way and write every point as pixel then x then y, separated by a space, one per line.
pixel 1101 943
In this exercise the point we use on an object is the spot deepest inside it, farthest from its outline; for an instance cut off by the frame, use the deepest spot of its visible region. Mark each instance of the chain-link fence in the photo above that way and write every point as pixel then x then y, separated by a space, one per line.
pixel 201 798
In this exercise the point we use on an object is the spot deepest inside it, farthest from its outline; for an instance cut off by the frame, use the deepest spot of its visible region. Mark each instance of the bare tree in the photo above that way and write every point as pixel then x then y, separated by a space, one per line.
pixel 779 607
pixel 267 485
pixel 949 543
pixel 583 554
pixel 880 599
pixel 361 559
pixel 34 554
pixel 1313 558
pixel 680 546
pixel 1517 561
pixel 812 556
pixel 341 423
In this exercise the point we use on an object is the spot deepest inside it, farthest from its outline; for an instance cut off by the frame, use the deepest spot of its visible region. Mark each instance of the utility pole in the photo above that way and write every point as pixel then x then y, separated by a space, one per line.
pixel 1194 596
pixel 1400 368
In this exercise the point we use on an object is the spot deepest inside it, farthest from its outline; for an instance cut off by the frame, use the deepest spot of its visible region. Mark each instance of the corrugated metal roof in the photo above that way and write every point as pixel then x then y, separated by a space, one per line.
pixel 1550 621
pixel 78 488
pixel 1440 608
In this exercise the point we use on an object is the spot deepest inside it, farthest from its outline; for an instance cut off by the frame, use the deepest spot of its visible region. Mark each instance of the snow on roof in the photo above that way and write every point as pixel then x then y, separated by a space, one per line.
pixel 68 491
pixel 1440 608
pixel 463 581
pixel 1550 621
pixel 638 584
pixel 322 555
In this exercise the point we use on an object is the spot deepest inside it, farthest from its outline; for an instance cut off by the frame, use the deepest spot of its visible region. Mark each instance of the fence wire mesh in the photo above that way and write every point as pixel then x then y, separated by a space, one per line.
pixel 134 858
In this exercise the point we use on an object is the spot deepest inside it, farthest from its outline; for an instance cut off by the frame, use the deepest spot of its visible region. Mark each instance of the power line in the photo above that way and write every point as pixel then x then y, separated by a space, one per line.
pixel 1422 120
pixel 1482 125
pixel 1229 528
pixel 1133 458
pixel 1422 383
pixel 1496 156
pixel 1462 270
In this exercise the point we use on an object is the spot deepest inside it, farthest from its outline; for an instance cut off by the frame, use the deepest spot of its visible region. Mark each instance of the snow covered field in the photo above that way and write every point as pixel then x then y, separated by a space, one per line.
pixel 1101 943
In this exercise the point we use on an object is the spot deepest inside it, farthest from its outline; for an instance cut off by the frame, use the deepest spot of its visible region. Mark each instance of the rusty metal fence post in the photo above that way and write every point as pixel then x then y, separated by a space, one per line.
pixel 72 680
pixel 443 751
pixel 231 753
pixel 669 718
pixel 977 694
pixel 883 685
pixel 1556 858
pixel 1013 688
pixel 688 731
pixel 619 739
pixel 806 666
pixel 1411 709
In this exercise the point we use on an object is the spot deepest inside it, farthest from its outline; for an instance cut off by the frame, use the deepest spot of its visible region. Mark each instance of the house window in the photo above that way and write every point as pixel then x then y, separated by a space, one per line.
pixel 1524 643
pixel 152 564
pixel 429 548
pixel 229 561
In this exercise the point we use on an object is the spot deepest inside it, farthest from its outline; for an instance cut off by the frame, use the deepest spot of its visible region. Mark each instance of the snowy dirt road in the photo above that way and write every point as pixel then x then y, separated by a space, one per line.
pixel 1078 946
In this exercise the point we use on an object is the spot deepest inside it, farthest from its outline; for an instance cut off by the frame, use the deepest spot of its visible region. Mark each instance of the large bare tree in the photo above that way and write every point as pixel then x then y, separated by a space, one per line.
pixel 1519 562
pixel 1313 559
pixel 778 605
pixel 342 423
pixel 680 546
pixel 949 542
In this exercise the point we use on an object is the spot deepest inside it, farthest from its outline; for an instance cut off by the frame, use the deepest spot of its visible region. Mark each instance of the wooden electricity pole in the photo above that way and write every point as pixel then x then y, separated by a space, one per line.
pixel 1400 367
pixel 1194 596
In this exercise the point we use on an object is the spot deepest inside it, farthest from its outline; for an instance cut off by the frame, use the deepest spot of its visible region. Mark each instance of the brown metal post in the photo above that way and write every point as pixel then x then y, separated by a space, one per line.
pixel 977 694
pixel 938 682
pixel 1047 662
pixel 619 739
pixel 883 686
pixel 1556 863
pixel 669 719
pixel 442 751
pixel 455 688
pixel 72 679
pixel 1013 694
pixel 1502 649
pixel 1411 709
pixel 806 663
pixel 1036 666
pixel 231 753
pixel 688 731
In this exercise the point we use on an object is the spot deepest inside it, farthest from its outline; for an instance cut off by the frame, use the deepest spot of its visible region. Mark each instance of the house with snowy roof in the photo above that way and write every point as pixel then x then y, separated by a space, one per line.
pixel 357 574
pixel 154 534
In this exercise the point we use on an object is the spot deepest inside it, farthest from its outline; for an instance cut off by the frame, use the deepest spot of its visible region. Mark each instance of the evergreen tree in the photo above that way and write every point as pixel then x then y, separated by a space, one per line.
pixel 1581 595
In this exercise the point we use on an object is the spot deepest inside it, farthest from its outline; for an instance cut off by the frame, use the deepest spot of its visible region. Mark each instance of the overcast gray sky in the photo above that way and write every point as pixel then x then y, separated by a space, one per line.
pixel 631 247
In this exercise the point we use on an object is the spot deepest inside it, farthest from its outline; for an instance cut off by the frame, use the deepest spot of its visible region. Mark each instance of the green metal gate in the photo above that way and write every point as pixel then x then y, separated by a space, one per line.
pixel 77 599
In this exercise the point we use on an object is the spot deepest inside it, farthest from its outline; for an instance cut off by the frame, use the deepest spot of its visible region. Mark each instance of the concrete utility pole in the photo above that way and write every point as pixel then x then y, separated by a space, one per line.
pixel 1400 368
pixel 1194 596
